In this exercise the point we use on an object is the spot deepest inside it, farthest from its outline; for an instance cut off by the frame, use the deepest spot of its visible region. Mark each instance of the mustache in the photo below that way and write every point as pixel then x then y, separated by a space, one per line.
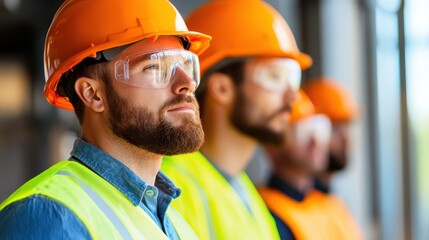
pixel 180 99
pixel 285 108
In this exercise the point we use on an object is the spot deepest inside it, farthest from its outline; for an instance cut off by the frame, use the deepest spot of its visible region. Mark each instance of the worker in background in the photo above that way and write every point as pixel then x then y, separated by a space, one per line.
pixel 331 99
pixel 302 212
pixel 129 70
pixel 250 75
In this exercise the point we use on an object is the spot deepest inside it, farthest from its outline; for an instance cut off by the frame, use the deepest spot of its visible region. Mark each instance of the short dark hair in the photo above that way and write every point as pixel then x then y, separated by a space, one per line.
pixel 233 67
pixel 86 68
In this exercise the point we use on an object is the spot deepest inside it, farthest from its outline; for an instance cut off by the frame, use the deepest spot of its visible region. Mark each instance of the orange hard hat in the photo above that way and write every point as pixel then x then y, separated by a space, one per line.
pixel 81 28
pixel 244 28
pixel 331 99
pixel 302 108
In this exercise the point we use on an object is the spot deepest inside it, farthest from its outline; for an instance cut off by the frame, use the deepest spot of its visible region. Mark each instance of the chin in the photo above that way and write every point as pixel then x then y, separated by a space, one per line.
pixel 184 120
pixel 277 128
pixel 278 124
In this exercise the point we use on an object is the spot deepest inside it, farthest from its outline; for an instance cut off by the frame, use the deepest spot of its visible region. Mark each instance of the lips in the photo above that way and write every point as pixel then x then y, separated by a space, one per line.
pixel 182 107
pixel 284 111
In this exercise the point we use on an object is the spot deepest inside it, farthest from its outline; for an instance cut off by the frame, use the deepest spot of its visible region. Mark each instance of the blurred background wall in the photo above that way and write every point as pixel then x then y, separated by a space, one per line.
pixel 378 49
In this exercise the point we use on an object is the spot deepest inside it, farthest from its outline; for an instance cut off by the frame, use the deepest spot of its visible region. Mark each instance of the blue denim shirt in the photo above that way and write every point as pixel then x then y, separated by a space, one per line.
pixel 39 217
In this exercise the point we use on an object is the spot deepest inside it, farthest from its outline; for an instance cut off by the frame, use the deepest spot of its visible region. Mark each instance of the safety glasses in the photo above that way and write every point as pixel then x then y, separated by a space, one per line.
pixel 276 75
pixel 317 127
pixel 156 69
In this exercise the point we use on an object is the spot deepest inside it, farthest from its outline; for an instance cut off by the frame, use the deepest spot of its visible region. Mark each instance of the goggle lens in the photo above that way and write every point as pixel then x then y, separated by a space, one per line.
pixel 278 75
pixel 317 127
pixel 156 69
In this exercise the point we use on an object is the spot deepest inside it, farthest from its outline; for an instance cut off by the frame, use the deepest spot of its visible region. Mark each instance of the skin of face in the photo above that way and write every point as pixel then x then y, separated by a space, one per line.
pixel 339 146
pixel 261 113
pixel 306 147
pixel 160 120
pixel 309 156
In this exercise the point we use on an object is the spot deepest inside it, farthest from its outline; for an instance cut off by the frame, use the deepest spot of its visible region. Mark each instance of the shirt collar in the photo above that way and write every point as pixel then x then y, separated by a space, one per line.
pixel 319 185
pixel 283 186
pixel 119 175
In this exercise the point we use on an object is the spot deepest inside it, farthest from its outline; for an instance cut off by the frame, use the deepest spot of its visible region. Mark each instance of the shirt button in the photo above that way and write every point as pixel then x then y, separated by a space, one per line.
pixel 150 193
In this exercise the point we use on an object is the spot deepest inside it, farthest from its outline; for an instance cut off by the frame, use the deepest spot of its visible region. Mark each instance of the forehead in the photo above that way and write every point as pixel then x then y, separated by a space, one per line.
pixel 149 45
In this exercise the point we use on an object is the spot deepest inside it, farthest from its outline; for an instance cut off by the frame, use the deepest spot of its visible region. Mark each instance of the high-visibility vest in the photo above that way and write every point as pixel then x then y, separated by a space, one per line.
pixel 103 209
pixel 210 204
pixel 319 216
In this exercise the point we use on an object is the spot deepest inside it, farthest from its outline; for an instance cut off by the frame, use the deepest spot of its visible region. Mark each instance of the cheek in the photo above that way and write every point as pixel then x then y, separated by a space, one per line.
pixel 263 101
pixel 336 144
pixel 149 99
pixel 299 150
pixel 271 102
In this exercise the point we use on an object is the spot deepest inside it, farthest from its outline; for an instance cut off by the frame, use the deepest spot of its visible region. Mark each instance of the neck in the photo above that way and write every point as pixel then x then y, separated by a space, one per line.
pixel 143 163
pixel 226 147
pixel 325 178
pixel 297 178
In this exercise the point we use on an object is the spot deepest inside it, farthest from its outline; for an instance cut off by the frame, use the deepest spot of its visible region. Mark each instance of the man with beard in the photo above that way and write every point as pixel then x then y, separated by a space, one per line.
pixel 302 212
pixel 250 76
pixel 331 99
pixel 129 70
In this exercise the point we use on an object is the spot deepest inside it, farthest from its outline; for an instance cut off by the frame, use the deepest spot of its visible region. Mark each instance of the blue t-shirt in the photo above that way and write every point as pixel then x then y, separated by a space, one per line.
pixel 40 217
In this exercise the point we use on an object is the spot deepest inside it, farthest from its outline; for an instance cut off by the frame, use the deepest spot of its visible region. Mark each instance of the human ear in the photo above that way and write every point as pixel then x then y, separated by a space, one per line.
pixel 89 91
pixel 220 88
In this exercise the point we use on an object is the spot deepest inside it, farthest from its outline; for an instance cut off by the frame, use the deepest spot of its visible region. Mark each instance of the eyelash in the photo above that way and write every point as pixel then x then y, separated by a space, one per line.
pixel 151 66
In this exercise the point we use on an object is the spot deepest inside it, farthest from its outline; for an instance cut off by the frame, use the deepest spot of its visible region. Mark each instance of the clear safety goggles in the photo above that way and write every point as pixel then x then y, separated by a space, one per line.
pixel 317 127
pixel 277 75
pixel 156 69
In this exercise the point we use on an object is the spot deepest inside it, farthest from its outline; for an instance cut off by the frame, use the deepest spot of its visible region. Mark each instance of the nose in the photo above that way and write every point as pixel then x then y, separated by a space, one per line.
pixel 182 83
pixel 312 141
pixel 290 95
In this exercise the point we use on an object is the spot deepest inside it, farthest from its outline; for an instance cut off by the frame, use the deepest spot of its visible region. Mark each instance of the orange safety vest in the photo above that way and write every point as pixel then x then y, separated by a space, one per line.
pixel 319 216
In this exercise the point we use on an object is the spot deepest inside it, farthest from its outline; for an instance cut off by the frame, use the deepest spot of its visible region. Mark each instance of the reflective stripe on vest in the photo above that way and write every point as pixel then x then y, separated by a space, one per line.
pixel 103 209
pixel 211 206
pixel 102 205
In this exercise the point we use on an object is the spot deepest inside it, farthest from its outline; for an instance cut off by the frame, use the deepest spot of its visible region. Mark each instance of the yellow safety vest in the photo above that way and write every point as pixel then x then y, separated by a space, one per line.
pixel 319 216
pixel 103 209
pixel 212 207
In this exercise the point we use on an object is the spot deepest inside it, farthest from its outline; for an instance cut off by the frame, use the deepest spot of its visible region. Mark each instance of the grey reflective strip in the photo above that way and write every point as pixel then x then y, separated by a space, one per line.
pixel 102 205
pixel 203 197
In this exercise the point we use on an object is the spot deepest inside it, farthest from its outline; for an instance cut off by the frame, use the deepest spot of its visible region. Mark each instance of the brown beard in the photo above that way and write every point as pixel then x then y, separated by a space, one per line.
pixel 151 131
pixel 336 163
pixel 260 132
